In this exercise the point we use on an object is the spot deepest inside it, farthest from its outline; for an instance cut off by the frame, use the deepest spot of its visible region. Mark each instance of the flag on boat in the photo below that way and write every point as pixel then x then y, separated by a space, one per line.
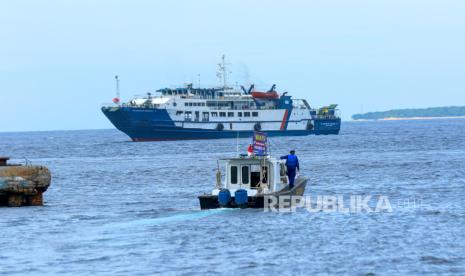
pixel 260 143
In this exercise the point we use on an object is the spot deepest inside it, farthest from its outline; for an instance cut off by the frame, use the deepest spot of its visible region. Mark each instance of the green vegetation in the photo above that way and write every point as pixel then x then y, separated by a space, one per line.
pixel 450 111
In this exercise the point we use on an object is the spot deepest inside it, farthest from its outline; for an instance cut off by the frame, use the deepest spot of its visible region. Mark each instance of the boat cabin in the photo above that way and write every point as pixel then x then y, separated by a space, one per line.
pixel 256 174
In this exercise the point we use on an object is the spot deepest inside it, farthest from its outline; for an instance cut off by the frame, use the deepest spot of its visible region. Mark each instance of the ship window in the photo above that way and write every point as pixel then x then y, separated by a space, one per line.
pixel 205 116
pixel 254 114
pixel 239 114
pixel 230 114
pixel 186 104
pixel 233 174
pixel 245 174
pixel 254 176
pixel 190 104
pixel 246 114
pixel 222 114
pixel 203 104
pixel 179 112
pixel 188 115
pixel 214 114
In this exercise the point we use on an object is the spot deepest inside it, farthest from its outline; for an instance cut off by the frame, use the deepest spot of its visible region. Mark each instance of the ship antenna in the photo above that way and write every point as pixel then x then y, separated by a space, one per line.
pixel 222 72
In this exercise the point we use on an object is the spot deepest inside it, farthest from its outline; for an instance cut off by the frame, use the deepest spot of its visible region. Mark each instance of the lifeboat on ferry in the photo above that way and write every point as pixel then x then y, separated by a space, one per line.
pixel 268 95
pixel 265 95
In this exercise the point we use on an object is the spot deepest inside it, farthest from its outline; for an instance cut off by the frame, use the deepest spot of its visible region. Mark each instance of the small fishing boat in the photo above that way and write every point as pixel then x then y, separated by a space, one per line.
pixel 251 180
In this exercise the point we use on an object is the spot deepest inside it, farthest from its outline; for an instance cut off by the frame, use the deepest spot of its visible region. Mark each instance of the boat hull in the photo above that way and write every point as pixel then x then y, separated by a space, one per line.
pixel 257 202
pixel 156 125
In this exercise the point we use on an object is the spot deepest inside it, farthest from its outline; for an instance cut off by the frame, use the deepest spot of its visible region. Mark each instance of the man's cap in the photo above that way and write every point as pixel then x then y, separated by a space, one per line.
pixel 292 151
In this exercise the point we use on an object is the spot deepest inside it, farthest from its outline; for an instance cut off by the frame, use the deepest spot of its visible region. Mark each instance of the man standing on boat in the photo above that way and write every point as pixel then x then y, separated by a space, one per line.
pixel 292 164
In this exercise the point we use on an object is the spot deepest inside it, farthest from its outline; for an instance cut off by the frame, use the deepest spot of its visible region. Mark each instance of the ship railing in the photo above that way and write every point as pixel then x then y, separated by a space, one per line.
pixel 241 108
pixel 335 114
pixel 141 106
pixel 109 105
pixel 325 117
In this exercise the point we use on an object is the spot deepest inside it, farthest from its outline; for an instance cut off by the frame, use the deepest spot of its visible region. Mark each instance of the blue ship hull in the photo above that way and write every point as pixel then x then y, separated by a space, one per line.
pixel 142 124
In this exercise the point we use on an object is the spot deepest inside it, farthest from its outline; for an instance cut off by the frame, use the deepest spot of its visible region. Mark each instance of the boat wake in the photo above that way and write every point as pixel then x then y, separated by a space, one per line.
pixel 175 218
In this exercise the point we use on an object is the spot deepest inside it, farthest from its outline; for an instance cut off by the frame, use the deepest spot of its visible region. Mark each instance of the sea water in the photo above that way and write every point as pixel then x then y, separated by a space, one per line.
pixel 119 207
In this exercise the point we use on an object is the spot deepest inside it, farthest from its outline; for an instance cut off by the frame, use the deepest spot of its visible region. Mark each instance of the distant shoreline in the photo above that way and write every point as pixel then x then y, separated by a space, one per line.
pixel 430 113
pixel 411 118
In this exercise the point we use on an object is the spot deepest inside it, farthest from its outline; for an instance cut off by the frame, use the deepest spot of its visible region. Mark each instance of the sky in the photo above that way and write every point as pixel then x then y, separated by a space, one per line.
pixel 58 58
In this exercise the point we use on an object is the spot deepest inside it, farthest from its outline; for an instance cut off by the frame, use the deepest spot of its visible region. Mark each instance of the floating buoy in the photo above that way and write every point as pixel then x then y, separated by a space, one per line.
pixel 224 196
pixel 240 198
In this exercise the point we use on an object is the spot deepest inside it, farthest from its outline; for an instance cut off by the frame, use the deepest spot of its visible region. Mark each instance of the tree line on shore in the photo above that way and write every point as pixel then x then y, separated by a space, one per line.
pixel 449 111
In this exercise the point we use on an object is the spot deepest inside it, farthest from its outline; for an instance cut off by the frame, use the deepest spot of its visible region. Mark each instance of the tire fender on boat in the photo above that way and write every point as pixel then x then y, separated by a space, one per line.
pixel 309 125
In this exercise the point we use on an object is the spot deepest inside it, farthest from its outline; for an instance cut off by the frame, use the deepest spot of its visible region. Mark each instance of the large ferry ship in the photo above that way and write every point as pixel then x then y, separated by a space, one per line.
pixel 222 112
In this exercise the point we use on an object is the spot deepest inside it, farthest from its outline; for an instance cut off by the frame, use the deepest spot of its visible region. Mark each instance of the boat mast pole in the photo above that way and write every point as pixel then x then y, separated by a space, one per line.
pixel 237 144
pixel 269 146
pixel 224 71
pixel 117 87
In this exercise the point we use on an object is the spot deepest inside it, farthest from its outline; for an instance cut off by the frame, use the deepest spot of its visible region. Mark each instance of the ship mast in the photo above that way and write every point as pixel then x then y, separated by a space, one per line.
pixel 116 100
pixel 222 73
pixel 117 87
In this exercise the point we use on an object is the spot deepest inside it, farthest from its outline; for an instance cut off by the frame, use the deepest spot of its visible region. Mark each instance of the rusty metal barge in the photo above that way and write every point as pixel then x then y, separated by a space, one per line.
pixel 22 185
